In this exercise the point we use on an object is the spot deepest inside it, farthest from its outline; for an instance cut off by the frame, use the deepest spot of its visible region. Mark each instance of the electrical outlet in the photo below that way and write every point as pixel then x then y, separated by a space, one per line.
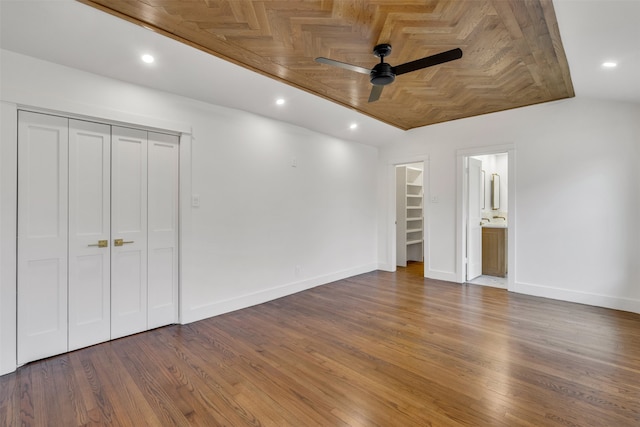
pixel 195 200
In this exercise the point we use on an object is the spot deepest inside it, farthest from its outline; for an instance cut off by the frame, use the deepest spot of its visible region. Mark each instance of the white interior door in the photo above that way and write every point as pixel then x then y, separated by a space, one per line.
pixel 474 218
pixel 401 216
pixel 42 235
pixel 128 231
pixel 163 229
pixel 89 233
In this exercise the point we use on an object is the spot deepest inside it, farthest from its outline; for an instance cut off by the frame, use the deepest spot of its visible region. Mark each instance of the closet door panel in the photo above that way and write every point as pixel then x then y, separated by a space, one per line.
pixel 89 225
pixel 163 229
pixel 42 235
pixel 128 231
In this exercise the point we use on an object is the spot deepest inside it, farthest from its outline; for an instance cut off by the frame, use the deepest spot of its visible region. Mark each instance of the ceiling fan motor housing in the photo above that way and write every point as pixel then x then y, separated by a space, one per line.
pixel 381 74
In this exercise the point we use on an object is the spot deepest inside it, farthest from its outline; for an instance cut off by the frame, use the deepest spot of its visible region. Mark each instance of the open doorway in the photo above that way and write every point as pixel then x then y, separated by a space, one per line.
pixel 487 218
pixel 410 217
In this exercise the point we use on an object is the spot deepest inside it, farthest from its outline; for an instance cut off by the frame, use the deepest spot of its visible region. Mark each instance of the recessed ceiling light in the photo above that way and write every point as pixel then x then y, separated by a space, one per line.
pixel 609 64
pixel 353 126
pixel 280 101
pixel 148 58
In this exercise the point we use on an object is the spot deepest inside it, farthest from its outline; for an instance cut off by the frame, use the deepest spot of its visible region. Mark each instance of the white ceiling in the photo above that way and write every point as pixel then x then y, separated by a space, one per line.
pixel 72 34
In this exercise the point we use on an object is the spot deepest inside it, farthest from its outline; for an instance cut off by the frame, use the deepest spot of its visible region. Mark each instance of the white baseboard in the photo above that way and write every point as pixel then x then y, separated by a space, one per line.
pixel 383 266
pixel 205 311
pixel 430 274
pixel 598 300
pixel 441 275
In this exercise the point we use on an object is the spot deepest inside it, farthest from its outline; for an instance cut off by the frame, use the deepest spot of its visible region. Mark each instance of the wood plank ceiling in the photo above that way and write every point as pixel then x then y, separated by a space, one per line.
pixel 512 51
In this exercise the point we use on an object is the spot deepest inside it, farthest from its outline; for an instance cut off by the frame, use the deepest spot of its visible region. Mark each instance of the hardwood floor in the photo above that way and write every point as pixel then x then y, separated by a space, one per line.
pixel 388 349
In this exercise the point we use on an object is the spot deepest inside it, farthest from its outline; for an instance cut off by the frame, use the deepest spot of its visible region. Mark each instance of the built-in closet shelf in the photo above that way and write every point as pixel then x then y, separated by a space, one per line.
pixel 413 175
pixel 409 212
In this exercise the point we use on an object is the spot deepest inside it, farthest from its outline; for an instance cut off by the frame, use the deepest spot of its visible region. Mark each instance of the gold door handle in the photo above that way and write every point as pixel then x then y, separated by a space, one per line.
pixel 120 242
pixel 101 244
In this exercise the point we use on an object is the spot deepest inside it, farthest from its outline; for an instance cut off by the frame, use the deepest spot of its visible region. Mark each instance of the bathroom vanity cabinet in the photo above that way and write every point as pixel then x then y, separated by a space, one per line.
pixel 494 251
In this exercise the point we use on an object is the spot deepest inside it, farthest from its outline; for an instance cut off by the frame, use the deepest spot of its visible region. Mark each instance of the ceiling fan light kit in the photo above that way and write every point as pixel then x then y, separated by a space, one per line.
pixel 383 73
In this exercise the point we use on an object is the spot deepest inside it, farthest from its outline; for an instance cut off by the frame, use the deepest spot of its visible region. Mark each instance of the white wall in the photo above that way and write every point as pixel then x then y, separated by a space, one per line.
pixel 264 224
pixel 264 228
pixel 577 191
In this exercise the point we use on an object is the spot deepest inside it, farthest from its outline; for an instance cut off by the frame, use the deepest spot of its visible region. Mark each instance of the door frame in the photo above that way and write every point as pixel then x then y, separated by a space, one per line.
pixel 468 219
pixel 392 208
pixel 9 202
pixel 462 208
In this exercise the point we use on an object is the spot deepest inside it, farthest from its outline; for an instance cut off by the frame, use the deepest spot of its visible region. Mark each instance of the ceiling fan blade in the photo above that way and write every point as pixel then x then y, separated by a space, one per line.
pixel 344 65
pixel 376 91
pixel 428 61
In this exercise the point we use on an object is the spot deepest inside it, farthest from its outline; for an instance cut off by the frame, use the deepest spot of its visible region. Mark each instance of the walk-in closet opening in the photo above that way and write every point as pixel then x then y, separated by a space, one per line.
pixel 410 218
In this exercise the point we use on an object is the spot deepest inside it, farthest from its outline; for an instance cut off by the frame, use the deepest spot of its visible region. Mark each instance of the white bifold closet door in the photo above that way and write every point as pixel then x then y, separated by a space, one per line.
pixel 97 233
pixel 89 225
pixel 43 145
pixel 163 172
pixel 129 232
pixel 144 263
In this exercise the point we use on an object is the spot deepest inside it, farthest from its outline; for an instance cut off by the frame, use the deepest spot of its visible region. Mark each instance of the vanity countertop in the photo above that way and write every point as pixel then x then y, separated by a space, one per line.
pixel 495 225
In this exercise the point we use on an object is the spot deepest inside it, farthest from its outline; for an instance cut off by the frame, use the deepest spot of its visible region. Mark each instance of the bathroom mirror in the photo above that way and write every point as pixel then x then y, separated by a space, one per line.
pixel 495 191
pixel 483 197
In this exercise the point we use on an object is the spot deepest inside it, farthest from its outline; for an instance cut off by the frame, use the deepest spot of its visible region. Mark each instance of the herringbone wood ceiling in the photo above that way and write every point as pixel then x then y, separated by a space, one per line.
pixel 512 52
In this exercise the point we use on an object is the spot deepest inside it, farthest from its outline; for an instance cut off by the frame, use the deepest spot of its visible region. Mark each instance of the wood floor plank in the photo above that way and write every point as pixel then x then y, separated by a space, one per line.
pixel 9 398
pixel 263 375
pixel 85 405
pixel 202 401
pixel 375 349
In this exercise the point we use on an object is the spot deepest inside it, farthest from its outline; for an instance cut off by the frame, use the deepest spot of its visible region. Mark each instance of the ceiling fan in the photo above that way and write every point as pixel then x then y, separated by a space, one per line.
pixel 383 73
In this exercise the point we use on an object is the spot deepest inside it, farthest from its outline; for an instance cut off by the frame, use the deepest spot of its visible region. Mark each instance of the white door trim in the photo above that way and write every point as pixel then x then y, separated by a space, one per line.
pixel 391 209
pixel 8 233
pixel 462 206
